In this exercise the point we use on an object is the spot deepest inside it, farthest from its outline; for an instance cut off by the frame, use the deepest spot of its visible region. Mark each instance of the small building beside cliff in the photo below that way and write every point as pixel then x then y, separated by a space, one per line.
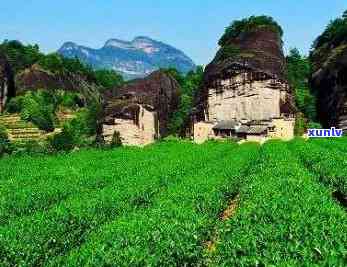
pixel 140 110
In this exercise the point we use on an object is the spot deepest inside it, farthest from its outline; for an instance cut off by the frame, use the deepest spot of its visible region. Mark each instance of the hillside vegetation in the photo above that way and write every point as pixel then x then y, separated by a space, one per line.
pixel 177 204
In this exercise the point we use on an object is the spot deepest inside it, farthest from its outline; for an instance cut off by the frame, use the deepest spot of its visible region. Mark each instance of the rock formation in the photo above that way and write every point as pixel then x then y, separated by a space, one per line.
pixel 140 111
pixel 329 80
pixel 135 59
pixel 37 78
pixel 246 81
pixel 7 88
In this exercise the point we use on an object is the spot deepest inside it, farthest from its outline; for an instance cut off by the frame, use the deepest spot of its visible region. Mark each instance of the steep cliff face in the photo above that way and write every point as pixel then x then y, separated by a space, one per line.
pixel 329 75
pixel 145 104
pixel 329 80
pixel 246 80
pixel 7 88
pixel 37 78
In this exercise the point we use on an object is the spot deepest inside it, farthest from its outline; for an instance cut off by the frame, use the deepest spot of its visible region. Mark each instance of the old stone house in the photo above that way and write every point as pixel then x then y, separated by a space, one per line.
pixel 140 111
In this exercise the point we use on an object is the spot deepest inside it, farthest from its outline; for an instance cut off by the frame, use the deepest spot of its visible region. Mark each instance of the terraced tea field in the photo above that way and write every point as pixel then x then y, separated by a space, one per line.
pixel 177 204
pixel 20 131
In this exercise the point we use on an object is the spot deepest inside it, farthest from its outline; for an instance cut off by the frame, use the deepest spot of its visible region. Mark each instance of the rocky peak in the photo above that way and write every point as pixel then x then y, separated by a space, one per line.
pixel 247 71
pixel 116 43
pixel 142 43
pixel 258 50
pixel 69 46
pixel 132 59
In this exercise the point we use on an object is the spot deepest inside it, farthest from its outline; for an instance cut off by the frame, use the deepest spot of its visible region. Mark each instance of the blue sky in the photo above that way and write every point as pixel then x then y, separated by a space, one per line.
pixel 193 26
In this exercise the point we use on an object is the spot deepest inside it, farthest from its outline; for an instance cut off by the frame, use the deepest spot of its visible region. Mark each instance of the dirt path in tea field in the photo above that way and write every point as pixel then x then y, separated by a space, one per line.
pixel 229 212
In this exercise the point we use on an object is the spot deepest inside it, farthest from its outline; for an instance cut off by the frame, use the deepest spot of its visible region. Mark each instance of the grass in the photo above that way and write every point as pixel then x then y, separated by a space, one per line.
pixel 160 205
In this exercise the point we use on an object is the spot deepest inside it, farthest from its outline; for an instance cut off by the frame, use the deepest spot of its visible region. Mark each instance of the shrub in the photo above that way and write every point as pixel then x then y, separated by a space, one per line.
pixel 4 141
pixel 68 100
pixel 300 125
pixel 314 125
pixel 109 79
pixel 78 132
pixel 247 25
pixel 63 141
pixel 116 140
pixel 15 104
pixel 30 147
pixel 38 108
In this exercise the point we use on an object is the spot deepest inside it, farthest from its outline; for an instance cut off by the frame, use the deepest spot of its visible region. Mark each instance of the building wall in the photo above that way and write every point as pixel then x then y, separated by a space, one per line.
pixel 131 134
pixel 203 131
pixel 256 138
pixel 284 128
pixel 237 98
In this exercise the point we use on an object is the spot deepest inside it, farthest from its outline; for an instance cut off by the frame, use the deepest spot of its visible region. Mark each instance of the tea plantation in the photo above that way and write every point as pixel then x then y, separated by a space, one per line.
pixel 177 204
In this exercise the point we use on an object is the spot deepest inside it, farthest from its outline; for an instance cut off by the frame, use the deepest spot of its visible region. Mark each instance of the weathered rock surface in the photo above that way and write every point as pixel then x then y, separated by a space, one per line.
pixel 37 78
pixel 248 85
pixel 142 108
pixel 7 88
pixel 329 80
pixel 159 91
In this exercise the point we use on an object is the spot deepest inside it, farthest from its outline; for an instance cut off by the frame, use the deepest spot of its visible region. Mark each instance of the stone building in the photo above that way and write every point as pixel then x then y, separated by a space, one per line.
pixel 246 96
pixel 7 88
pixel 140 111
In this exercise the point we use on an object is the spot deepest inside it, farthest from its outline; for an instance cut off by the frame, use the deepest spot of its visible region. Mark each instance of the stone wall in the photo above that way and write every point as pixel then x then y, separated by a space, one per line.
pixel 242 98
pixel 256 138
pixel 284 128
pixel 132 134
pixel 203 131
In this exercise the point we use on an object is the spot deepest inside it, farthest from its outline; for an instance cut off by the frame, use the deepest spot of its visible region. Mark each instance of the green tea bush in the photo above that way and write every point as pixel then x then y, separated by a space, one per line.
pixel 285 218
pixel 38 108
pixel 326 160
pixel 70 197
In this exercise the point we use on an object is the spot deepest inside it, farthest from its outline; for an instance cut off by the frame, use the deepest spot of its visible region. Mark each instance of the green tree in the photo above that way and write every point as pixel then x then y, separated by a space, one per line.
pixel 334 34
pixel 189 85
pixel 298 73
pixel 108 79
pixel 20 56
pixel 52 62
pixel 39 108
pixel 249 24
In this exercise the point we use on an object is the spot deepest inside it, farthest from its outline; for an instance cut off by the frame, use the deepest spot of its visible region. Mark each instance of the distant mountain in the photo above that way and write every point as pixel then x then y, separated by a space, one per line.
pixel 134 59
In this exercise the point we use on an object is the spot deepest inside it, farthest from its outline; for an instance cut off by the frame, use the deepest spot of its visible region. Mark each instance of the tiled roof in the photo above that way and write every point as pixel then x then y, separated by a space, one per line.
pixel 226 125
